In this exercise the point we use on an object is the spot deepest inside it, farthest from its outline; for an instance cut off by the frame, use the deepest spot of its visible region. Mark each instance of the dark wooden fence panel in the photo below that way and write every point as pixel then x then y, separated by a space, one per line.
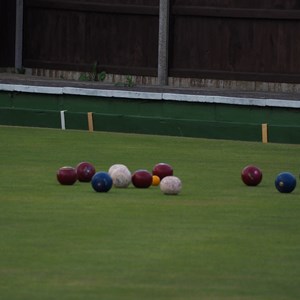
pixel 236 40
pixel 7 32
pixel 73 35
pixel 218 39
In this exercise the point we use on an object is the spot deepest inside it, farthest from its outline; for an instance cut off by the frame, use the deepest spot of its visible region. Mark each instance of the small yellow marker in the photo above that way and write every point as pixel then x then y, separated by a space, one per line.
pixel 155 180
pixel 264 132
pixel 90 121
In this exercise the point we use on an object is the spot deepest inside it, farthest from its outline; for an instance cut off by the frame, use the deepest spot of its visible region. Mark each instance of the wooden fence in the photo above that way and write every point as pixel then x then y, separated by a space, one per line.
pixel 7 32
pixel 255 40
pixel 245 40
pixel 121 36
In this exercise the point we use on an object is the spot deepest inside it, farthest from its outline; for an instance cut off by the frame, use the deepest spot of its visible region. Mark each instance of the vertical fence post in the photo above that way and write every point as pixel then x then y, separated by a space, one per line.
pixel 264 133
pixel 62 120
pixel 163 42
pixel 19 35
pixel 90 121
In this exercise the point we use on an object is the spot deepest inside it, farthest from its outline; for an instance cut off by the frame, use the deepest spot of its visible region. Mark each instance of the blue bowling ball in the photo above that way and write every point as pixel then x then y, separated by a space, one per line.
pixel 285 182
pixel 101 182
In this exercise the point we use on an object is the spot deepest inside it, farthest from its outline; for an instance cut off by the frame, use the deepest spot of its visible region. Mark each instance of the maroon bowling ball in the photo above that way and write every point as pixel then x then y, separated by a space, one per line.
pixel 66 175
pixel 141 179
pixel 251 175
pixel 85 171
pixel 162 170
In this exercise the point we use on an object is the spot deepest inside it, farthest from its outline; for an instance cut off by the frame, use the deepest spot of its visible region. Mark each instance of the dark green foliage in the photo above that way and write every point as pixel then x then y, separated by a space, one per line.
pixel 94 75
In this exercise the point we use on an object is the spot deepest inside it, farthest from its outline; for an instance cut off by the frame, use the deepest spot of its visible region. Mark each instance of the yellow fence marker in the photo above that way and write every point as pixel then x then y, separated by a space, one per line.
pixel 90 121
pixel 264 132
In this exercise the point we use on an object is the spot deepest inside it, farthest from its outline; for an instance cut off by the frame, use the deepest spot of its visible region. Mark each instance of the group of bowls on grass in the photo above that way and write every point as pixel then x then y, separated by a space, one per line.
pixel 285 182
pixel 120 176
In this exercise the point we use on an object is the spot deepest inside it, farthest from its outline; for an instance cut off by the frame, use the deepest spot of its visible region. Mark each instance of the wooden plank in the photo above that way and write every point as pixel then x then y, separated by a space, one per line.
pixel 264 133
pixel 58 65
pixel 226 75
pixel 236 12
pixel 94 7
pixel 90 121
pixel 244 4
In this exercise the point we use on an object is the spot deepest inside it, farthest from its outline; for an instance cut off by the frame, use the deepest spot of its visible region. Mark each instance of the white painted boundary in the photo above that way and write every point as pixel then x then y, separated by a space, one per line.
pixel 151 95
pixel 62 120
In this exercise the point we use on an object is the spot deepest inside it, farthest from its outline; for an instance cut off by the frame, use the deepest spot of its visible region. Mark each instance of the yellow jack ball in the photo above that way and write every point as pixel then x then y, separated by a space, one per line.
pixel 155 180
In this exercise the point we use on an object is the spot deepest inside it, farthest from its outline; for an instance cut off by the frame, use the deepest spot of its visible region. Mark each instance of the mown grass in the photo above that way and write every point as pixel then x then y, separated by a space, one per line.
pixel 218 239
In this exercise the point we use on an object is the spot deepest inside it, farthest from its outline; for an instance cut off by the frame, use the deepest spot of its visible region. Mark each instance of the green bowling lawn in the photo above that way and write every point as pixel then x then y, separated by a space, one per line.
pixel 218 239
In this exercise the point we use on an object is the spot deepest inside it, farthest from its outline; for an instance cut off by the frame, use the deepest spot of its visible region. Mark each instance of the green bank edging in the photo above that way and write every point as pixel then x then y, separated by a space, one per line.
pixel 176 118
pixel 29 118
pixel 150 125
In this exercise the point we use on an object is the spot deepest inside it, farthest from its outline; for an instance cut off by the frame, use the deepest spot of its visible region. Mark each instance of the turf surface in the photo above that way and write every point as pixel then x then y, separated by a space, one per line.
pixel 218 239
